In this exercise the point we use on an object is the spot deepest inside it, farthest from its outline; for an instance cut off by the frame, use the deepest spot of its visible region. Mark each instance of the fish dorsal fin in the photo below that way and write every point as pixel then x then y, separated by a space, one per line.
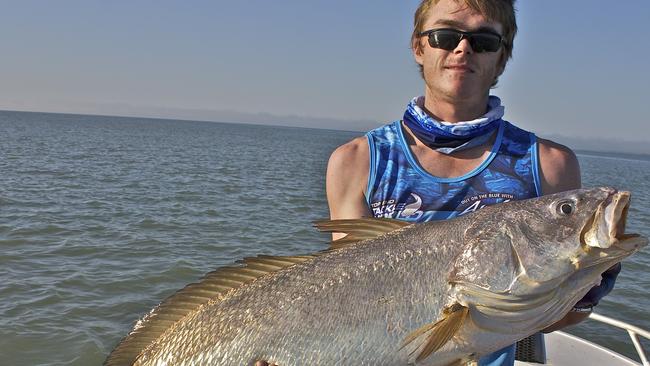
pixel 359 229
pixel 213 287
pixel 439 333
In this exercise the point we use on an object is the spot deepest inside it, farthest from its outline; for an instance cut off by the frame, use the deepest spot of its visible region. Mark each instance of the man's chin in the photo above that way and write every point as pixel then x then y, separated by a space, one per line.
pixel 463 92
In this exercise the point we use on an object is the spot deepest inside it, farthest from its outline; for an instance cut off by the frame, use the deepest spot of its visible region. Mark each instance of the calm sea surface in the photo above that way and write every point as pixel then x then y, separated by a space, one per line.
pixel 103 217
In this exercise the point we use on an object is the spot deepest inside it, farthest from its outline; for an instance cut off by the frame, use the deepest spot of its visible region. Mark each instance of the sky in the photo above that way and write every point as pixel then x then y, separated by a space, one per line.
pixel 580 67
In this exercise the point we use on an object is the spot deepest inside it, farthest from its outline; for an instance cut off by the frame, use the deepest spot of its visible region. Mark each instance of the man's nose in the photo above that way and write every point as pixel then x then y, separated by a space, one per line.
pixel 463 46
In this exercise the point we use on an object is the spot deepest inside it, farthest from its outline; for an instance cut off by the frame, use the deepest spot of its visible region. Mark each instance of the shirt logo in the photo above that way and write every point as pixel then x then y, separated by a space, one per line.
pixel 481 200
pixel 398 210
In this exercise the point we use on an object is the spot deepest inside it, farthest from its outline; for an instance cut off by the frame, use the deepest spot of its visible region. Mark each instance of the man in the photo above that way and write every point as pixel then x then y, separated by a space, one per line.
pixel 452 153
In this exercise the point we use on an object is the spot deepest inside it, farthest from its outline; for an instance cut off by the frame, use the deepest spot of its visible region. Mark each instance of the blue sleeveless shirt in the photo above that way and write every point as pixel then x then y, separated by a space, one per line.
pixel 399 188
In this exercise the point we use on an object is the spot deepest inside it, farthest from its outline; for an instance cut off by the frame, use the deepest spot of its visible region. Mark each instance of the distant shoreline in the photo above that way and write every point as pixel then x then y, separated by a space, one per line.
pixel 613 155
pixel 634 150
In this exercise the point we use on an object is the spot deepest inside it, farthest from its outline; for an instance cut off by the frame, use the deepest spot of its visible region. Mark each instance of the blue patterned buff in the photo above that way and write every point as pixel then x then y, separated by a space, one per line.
pixel 448 137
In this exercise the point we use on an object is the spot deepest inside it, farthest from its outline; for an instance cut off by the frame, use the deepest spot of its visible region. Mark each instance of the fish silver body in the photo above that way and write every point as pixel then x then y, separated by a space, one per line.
pixel 488 279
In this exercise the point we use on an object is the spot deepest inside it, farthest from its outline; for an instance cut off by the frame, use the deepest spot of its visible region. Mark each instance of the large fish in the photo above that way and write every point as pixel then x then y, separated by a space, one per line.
pixel 392 293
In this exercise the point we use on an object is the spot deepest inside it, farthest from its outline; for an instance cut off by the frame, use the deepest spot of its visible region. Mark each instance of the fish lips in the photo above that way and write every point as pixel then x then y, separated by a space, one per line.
pixel 603 237
pixel 606 226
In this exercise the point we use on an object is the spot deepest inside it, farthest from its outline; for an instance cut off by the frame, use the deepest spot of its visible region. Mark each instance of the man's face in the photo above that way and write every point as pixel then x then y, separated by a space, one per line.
pixel 460 74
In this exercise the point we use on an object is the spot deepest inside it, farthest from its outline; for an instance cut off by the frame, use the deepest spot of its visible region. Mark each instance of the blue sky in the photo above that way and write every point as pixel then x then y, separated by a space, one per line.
pixel 580 67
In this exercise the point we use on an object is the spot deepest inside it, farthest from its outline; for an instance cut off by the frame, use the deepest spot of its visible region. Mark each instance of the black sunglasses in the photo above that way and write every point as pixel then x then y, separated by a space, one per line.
pixel 449 38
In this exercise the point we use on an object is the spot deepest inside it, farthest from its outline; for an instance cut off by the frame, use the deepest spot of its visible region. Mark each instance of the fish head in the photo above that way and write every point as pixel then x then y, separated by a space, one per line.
pixel 528 262
pixel 573 230
pixel 538 243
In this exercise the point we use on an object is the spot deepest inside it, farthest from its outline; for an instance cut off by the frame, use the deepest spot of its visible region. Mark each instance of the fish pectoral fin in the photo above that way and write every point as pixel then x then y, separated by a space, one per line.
pixel 439 333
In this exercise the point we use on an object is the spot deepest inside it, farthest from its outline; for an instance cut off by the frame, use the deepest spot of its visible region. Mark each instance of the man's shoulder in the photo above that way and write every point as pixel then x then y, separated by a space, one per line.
pixel 553 150
pixel 353 147
pixel 559 166
pixel 347 177
pixel 351 155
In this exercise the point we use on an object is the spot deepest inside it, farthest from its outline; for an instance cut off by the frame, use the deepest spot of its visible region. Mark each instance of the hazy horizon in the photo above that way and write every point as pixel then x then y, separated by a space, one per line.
pixel 578 67
pixel 635 147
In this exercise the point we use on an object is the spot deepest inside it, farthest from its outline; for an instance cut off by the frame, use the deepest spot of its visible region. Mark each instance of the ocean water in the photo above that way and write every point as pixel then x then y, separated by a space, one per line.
pixel 103 217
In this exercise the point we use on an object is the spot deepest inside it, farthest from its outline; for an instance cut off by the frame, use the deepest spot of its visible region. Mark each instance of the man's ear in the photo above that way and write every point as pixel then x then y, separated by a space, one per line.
pixel 500 71
pixel 501 67
pixel 416 47
pixel 502 64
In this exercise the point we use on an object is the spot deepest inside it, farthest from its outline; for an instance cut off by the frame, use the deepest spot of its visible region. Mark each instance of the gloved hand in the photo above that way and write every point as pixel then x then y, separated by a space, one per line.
pixel 598 292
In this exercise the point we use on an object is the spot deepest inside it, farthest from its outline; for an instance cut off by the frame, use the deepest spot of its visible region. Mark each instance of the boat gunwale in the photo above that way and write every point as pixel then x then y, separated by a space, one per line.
pixel 632 331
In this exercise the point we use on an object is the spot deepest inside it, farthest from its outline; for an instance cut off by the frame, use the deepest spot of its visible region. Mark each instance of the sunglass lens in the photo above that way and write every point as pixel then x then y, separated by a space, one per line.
pixel 445 39
pixel 485 42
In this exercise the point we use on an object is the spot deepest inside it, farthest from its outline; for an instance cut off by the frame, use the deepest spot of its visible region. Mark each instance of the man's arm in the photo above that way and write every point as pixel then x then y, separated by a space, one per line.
pixel 347 178
pixel 559 171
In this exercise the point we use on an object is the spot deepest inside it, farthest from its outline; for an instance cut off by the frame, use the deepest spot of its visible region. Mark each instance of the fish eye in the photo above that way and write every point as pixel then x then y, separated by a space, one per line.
pixel 566 208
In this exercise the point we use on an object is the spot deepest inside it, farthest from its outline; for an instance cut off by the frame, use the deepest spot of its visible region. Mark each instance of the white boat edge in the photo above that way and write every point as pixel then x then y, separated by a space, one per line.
pixel 563 349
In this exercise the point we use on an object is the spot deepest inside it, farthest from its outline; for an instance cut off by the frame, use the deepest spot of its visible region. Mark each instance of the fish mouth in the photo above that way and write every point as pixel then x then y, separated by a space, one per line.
pixel 604 233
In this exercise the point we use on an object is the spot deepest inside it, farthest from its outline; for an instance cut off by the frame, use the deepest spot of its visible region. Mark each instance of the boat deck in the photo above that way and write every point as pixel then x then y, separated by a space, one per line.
pixel 563 349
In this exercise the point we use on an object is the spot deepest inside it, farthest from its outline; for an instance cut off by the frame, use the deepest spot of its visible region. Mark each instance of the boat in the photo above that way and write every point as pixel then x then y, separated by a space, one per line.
pixel 563 349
